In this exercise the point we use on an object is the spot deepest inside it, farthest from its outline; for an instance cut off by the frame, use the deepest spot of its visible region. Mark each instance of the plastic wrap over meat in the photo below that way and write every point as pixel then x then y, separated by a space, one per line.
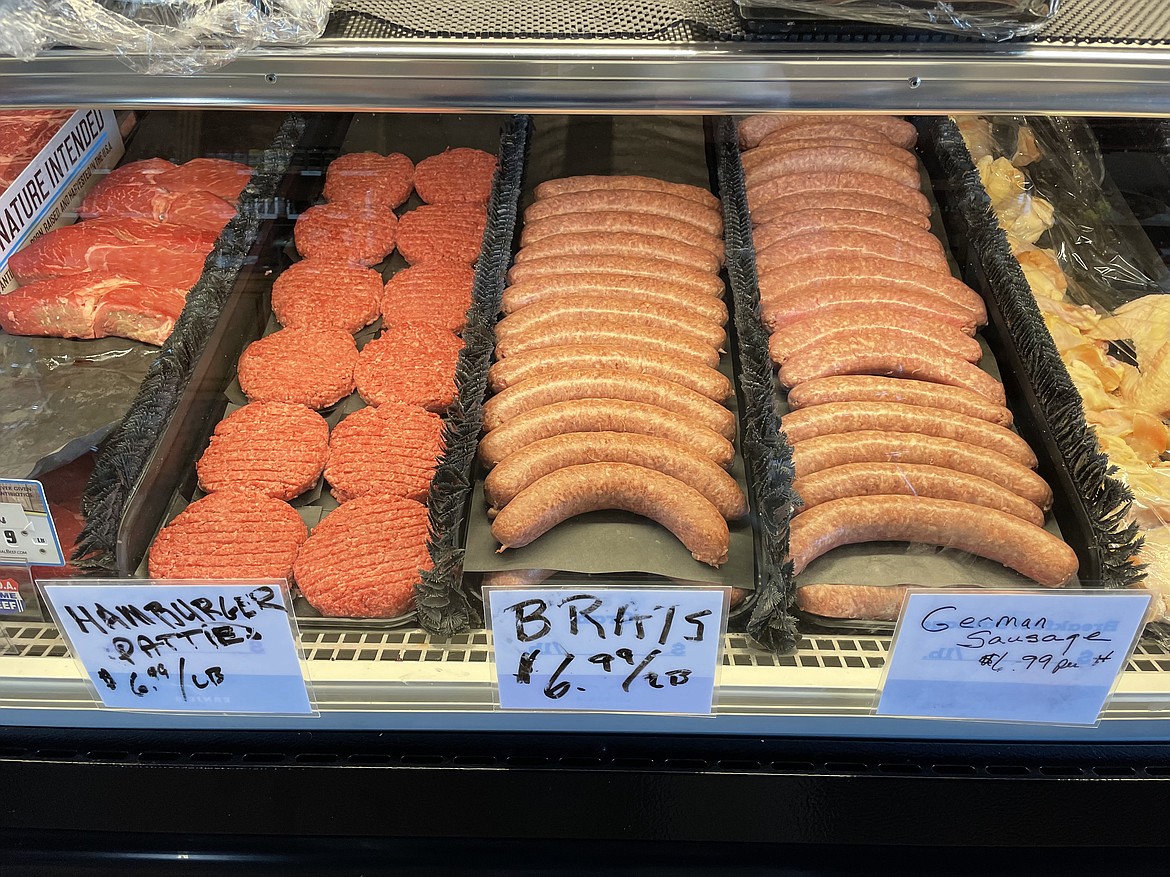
pixel 159 36
pixel 988 19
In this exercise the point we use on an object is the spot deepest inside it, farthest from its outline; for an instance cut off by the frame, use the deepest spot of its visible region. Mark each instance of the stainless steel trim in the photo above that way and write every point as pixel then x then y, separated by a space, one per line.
pixel 621 76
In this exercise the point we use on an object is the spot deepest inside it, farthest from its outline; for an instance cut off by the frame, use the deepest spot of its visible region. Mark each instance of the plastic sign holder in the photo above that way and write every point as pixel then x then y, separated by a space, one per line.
pixel 190 647
pixel 608 649
pixel 27 533
pixel 1050 657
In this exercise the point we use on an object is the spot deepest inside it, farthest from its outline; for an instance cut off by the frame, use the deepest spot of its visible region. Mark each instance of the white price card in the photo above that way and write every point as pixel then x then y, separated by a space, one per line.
pixel 202 647
pixel 1010 656
pixel 617 650
pixel 27 534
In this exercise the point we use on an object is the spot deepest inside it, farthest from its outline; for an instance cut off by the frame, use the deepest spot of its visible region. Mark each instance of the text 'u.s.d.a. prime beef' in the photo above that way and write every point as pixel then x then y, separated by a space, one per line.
pixel 126 268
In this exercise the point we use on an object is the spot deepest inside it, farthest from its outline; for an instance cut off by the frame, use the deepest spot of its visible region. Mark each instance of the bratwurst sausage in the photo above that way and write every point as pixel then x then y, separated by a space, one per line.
pixel 1026 548
pixel 606 329
pixel 846 244
pixel 836 418
pixel 591 487
pixel 621 221
pixel 832 159
pixel 784 308
pixel 755 128
pixel 628 201
pixel 563 384
pixel 891 353
pixel 911 479
pixel 587 183
pixel 800 337
pixel 816 219
pixel 648 289
pixel 835 199
pixel 871 602
pixel 819 181
pixel 837 128
pixel 517 471
pixel 765 152
pixel 869 388
pixel 601 415
pixel 871 446
pixel 638 266
pixel 680 369
pixel 628 244
pixel 631 311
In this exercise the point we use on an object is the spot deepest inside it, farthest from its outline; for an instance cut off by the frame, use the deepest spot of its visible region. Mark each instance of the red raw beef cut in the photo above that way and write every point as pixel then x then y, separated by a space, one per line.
pixel 10 169
pixel 136 173
pixel 197 209
pixel 226 179
pixel 154 253
pixel 90 306
pixel 23 133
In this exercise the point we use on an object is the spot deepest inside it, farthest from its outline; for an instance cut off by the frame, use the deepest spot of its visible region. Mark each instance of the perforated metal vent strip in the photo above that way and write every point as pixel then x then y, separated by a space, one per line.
pixel 1079 22
pixel 823 651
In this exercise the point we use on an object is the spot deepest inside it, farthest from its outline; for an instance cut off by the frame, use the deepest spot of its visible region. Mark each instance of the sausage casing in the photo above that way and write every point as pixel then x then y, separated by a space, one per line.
pixel 563 384
pixel 872 446
pixel 869 388
pixel 835 199
pixel 766 151
pixel 846 244
pixel 648 289
pixel 842 417
pixel 820 181
pixel 891 353
pixel 1026 548
pixel 911 479
pixel 622 221
pixel 628 201
pixel 517 471
pixel 601 415
pixel 575 490
pixel 638 266
pixel 588 183
pixel 698 377
pixel 863 317
pixel 870 602
pixel 831 159
pixel 631 311
pixel 755 128
pixel 783 345
pixel 610 330
pixel 837 128
pixel 810 220
pixel 628 244
pixel 783 308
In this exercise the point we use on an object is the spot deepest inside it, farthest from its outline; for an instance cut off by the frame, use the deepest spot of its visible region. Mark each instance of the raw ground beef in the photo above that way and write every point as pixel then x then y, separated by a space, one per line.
pixel 389 450
pixel 364 559
pixel 273 448
pixel 456 176
pixel 370 179
pixel 435 292
pixel 346 233
pixel 229 534
pixel 412 363
pixel 312 367
pixel 447 232
pixel 320 294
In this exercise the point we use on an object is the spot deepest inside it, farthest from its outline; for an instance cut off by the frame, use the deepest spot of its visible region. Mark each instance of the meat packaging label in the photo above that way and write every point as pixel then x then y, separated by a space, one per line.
pixel 47 192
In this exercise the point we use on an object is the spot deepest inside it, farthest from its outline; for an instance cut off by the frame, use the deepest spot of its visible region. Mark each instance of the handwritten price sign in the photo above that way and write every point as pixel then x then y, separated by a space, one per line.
pixel 1010 655
pixel 198 647
pixel 644 650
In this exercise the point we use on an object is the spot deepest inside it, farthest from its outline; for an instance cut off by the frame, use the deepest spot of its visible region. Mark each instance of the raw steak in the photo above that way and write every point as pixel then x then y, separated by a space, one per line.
pixel 136 173
pixel 153 253
pixel 23 133
pixel 91 306
pixel 197 209
pixel 225 179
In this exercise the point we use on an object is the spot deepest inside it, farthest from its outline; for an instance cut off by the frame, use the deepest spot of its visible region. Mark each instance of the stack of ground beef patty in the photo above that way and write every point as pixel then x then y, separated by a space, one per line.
pixel 363 559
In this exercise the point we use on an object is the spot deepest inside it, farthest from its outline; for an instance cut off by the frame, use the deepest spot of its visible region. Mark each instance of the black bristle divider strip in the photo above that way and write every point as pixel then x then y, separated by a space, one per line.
pixel 125 455
pixel 767 455
pixel 1106 500
pixel 443 605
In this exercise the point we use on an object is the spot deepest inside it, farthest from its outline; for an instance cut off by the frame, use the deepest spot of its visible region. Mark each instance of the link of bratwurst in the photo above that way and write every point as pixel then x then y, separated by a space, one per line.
pixel 622 221
pixel 587 183
pixel 831 159
pixel 755 128
pixel 870 388
pixel 783 308
pixel 835 199
pixel 591 487
pixel 628 201
pixel 638 266
pixel 629 244
pixel 608 330
pixel 863 184
pixel 846 244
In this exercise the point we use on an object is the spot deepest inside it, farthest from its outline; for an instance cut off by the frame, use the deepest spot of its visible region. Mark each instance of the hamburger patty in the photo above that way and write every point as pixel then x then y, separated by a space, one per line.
pixel 322 294
pixel 387 451
pixel 229 534
pixel 458 175
pixel 442 232
pixel 363 559
pixel 370 179
pixel 312 367
pixel 346 233
pixel 273 448
pixel 437 292
pixel 411 362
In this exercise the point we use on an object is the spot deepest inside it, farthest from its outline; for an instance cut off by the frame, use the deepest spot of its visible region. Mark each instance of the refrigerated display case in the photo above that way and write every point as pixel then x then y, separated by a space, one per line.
pixel 408 756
